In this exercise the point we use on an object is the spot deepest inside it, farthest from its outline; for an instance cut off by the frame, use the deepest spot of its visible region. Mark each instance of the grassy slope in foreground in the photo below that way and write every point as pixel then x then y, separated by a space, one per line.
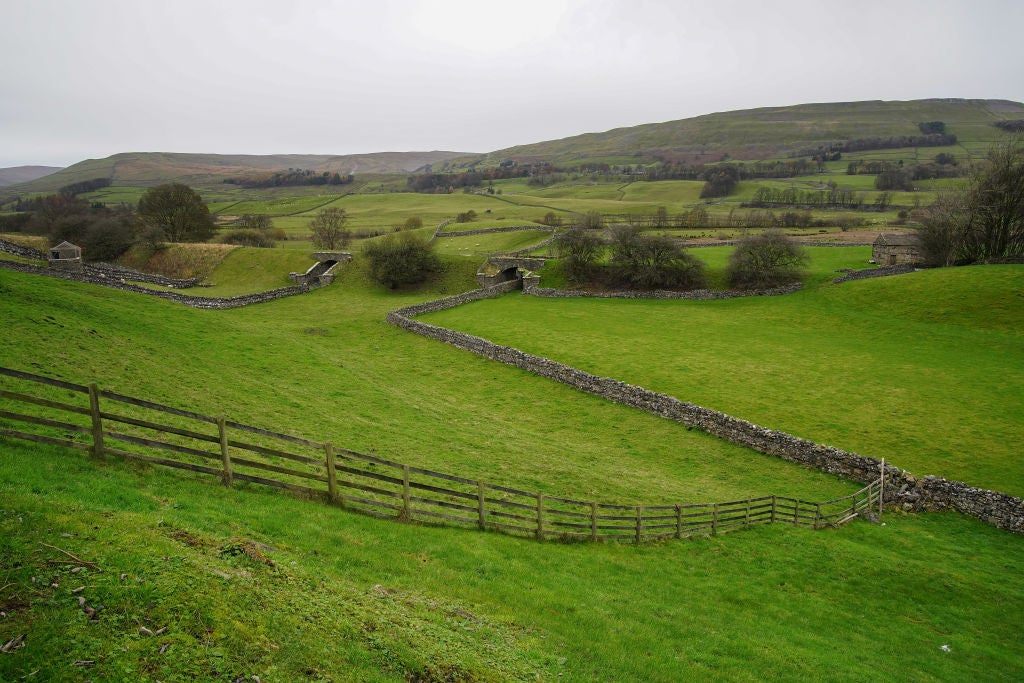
pixel 352 598
pixel 926 369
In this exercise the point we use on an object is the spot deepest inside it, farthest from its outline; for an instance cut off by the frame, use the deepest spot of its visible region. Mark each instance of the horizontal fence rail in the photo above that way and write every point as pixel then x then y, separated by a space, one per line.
pixel 101 422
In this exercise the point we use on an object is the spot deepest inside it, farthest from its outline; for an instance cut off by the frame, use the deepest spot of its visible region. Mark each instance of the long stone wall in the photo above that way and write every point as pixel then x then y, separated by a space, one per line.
pixel 867 273
pixel 531 287
pixel 95 278
pixel 488 231
pixel 902 488
pixel 22 251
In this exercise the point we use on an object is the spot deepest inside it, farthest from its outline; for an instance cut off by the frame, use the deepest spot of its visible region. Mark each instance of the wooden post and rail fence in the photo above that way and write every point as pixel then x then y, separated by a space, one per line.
pixel 235 452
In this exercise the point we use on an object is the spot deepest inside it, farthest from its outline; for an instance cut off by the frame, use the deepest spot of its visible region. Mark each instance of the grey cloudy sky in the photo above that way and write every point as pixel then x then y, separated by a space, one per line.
pixel 90 78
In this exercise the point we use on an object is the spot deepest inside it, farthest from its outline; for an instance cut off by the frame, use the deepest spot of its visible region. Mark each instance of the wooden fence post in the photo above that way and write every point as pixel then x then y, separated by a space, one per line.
pixel 593 521
pixel 332 477
pixel 714 520
pixel 405 492
pixel 540 516
pixel 481 513
pixel 225 456
pixel 773 510
pixel 817 516
pixel 679 520
pixel 746 516
pixel 796 512
pixel 97 421
pixel 639 522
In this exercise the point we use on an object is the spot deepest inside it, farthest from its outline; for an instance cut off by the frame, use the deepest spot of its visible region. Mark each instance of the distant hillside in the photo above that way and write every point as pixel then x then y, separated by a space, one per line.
pixel 153 168
pixel 24 174
pixel 766 133
pixel 769 132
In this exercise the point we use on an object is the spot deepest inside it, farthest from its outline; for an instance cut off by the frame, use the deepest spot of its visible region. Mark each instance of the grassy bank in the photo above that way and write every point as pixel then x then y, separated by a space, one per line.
pixel 249 582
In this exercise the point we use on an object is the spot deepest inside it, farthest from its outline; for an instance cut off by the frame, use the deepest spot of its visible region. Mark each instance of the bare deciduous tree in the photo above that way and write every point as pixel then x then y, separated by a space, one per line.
pixel 328 229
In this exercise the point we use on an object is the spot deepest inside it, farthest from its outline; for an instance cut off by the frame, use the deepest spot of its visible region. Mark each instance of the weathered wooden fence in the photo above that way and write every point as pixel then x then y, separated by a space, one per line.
pixel 94 420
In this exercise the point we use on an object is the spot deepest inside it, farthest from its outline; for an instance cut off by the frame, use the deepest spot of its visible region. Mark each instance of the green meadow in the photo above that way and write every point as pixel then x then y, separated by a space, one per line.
pixel 926 370
pixel 248 581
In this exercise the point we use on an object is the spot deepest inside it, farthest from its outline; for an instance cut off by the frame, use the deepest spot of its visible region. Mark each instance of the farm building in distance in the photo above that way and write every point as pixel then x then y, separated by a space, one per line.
pixel 896 249
pixel 65 256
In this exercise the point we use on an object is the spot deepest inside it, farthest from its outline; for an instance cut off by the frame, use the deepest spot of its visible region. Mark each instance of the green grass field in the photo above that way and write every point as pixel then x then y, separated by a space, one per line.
pixel 353 598
pixel 876 366
pixel 350 597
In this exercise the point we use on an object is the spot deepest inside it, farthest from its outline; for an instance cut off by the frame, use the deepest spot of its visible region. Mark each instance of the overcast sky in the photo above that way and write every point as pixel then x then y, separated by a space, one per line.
pixel 90 78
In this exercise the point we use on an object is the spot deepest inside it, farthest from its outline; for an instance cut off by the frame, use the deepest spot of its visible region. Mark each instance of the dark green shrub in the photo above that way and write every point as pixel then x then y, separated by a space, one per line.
pixel 763 261
pixel 401 259
pixel 249 238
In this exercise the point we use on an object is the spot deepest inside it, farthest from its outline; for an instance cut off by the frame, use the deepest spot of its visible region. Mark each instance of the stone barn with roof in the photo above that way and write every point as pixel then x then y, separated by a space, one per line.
pixel 896 249
pixel 65 256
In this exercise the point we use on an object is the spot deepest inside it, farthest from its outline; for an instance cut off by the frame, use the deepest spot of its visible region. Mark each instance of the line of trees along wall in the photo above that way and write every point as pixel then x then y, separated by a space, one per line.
pixel 104 423
pixel 903 488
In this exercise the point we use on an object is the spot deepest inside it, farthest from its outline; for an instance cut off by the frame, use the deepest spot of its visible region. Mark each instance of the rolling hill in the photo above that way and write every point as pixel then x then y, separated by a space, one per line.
pixel 153 168
pixel 23 174
pixel 765 133
pixel 769 132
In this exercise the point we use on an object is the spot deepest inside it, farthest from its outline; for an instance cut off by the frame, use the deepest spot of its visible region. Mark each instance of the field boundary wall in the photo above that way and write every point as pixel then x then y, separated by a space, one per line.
pixel 908 491
pixel 116 277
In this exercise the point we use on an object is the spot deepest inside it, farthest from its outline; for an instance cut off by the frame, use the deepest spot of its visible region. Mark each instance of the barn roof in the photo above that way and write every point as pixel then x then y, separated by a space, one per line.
pixel 899 239
pixel 64 245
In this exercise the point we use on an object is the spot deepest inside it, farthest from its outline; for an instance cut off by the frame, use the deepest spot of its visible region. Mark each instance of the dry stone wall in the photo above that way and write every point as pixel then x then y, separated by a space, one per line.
pixel 488 231
pixel 531 287
pixel 901 488
pixel 97 278
pixel 867 273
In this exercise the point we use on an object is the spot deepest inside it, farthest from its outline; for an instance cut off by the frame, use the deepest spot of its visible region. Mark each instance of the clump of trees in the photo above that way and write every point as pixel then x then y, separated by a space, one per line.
pixel 635 260
pixel 171 212
pixel 767 260
pixel 720 181
pixel 652 262
pixel 328 229
pixel 251 230
pixel 580 250
pixel 551 219
pixel 83 186
pixel 103 233
pixel 291 177
pixel 984 223
pixel 402 258
pixel 175 213
pixel 1011 126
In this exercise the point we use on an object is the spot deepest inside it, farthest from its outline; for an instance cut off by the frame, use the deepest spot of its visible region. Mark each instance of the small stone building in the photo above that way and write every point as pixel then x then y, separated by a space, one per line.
pixel 896 249
pixel 65 256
